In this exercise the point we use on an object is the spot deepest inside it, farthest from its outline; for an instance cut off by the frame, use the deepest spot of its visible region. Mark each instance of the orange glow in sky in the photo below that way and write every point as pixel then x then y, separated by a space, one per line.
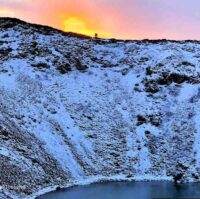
pixel 4 12
pixel 75 24
pixel 125 19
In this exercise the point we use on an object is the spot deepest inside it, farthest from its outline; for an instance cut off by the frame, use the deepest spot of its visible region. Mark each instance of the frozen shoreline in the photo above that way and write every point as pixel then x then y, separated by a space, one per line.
pixel 96 179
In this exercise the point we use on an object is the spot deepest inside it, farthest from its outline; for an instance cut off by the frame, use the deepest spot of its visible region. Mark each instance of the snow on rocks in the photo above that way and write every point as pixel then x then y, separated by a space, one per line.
pixel 79 109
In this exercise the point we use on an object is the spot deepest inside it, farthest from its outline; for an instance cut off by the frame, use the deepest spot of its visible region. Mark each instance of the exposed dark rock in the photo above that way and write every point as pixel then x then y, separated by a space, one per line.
pixel 63 68
pixel 186 63
pixel 81 67
pixel 5 51
pixel 151 86
pixel 168 78
pixel 149 71
pixel 141 120
pixel 41 65
pixel 178 177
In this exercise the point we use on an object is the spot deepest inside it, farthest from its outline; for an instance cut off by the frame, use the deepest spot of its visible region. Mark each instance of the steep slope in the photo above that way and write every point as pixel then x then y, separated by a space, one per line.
pixel 74 107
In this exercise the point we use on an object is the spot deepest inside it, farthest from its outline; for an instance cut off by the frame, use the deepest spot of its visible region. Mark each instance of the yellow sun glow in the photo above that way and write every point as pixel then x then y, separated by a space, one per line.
pixel 6 13
pixel 74 24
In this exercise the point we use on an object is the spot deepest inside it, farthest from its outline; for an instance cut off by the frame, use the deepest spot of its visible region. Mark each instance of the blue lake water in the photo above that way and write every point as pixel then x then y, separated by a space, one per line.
pixel 129 190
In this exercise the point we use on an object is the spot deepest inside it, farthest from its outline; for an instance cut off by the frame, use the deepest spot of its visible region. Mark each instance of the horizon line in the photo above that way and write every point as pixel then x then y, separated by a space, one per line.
pixel 100 38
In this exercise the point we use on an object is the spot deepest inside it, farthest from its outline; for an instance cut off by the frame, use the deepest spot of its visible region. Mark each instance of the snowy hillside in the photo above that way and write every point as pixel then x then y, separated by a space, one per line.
pixel 73 108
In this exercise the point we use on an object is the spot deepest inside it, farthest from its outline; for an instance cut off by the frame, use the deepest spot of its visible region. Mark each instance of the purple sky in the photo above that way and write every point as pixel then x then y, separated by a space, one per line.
pixel 131 19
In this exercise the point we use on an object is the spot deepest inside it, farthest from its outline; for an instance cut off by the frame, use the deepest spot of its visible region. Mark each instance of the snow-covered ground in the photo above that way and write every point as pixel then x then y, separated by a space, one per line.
pixel 75 110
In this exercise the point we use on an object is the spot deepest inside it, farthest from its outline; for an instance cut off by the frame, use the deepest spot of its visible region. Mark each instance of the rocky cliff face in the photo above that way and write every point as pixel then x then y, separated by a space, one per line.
pixel 74 107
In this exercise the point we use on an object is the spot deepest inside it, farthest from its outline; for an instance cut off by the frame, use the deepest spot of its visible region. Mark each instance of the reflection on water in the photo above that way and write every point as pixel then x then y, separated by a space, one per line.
pixel 129 190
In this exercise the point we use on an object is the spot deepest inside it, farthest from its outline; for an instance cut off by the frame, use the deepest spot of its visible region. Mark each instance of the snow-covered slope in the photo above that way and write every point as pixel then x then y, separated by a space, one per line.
pixel 75 108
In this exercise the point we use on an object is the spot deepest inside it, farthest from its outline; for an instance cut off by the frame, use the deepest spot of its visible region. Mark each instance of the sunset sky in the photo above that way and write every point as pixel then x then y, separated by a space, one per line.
pixel 126 19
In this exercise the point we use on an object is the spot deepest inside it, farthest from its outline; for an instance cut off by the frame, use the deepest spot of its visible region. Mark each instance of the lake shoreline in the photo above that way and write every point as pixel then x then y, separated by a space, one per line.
pixel 98 179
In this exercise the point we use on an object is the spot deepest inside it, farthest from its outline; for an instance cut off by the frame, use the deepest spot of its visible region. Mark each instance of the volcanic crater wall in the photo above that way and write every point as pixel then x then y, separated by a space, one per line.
pixel 74 107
